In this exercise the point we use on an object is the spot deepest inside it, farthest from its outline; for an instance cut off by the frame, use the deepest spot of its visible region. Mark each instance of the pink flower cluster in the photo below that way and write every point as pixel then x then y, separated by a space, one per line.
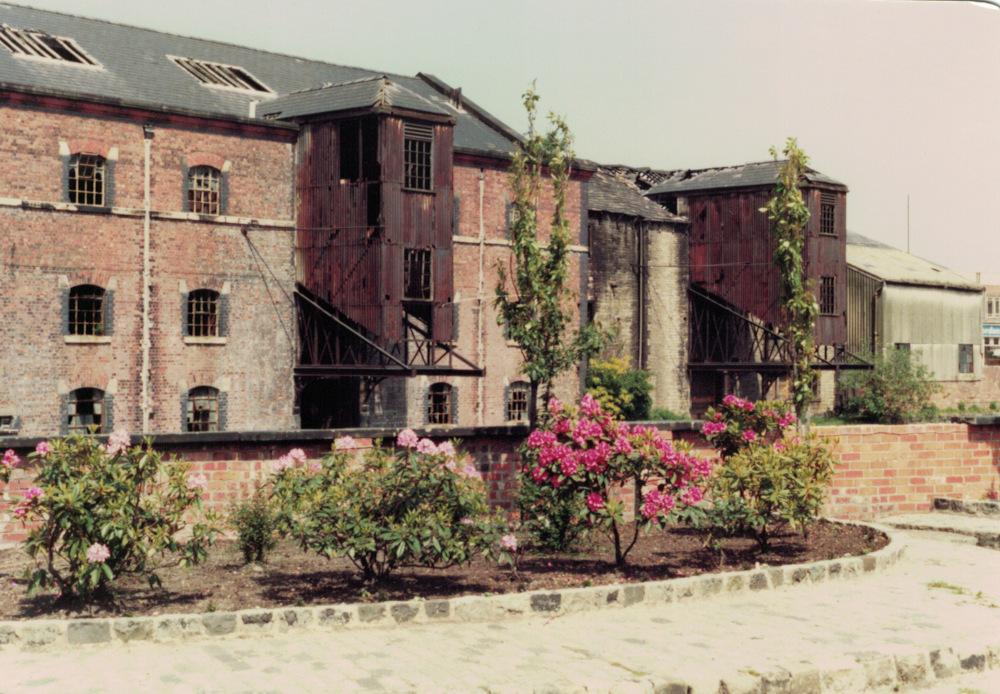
pixel 294 457
pixel 508 543
pixel 117 443
pixel 344 443
pixel 10 459
pixel 590 451
pixel 712 428
pixel 31 496
pixel 407 438
pixel 98 553
pixel 738 403
pixel 43 448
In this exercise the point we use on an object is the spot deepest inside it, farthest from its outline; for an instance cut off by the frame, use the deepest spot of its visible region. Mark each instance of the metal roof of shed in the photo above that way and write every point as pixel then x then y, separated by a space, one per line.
pixel 896 266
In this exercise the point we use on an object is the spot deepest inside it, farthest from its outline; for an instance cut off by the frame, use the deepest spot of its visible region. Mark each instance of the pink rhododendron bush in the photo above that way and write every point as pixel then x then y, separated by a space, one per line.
pixel 585 453
pixel 417 504
pixel 98 512
pixel 769 473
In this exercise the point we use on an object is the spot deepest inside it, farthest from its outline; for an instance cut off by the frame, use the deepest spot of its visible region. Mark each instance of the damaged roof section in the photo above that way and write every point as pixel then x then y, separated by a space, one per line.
pixel 376 93
pixel 896 266
pixel 754 174
pixel 610 192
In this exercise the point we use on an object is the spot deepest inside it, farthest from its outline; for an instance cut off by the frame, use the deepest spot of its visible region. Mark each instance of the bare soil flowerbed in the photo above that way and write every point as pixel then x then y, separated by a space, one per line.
pixel 293 577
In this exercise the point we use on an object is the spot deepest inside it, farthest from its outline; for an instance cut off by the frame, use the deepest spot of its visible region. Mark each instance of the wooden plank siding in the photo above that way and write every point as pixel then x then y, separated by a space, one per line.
pixel 732 254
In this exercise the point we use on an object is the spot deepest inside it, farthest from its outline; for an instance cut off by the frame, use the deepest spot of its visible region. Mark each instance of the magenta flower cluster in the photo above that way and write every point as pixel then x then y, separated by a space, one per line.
pixel 739 423
pixel 589 451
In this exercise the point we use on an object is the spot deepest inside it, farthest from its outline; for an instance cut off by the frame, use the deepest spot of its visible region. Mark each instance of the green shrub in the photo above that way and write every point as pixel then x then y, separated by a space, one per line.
pixel 553 517
pixel 664 414
pixel 100 512
pixel 765 483
pixel 412 506
pixel 623 392
pixel 993 406
pixel 256 525
pixel 895 391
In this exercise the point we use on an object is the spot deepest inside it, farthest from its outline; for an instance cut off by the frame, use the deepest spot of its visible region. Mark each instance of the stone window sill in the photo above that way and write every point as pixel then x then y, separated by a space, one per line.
pixel 87 339
pixel 204 340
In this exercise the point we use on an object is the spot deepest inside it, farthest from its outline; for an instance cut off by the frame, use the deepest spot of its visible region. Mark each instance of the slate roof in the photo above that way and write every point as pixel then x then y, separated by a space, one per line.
pixel 136 71
pixel 762 173
pixel 378 92
pixel 608 192
pixel 899 267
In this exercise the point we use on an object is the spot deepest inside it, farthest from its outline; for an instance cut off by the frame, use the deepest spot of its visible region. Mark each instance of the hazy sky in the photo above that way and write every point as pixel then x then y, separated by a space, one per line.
pixel 890 96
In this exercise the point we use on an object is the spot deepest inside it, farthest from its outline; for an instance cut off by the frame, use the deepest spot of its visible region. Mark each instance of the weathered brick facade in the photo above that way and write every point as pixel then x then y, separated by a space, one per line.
pixel 49 245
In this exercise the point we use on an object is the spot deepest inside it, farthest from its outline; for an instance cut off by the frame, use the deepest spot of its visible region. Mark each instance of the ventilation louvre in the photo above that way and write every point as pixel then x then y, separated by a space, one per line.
pixel 27 43
pixel 418 131
pixel 221 76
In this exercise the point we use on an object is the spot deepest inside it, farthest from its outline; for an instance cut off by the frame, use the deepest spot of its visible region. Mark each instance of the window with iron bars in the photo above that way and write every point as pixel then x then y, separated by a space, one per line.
pixel 87 178
pixel 827 296
pixel 203 192
pixel 85 411
pixel 439 405
pixel 203 313
pixel 417 143
pixel 86 310
pixel 417 273
pixel 966 365
pixel 828 215
pixel 203 409
pixel 517 402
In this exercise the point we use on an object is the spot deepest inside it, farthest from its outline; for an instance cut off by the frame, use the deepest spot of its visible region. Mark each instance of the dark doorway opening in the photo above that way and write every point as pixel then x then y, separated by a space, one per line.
pixel 331 403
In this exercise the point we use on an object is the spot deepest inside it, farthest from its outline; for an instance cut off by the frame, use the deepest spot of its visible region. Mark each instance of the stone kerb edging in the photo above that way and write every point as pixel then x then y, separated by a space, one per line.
pixel 52 633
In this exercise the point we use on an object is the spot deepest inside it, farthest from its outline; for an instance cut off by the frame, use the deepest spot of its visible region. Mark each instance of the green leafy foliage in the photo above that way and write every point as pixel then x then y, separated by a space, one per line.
pixel 394 508
pixel 256 524
pixel 764 483
pixel 665 414
pixel 623 392
pixel 532 297
pixel 554 518
pixel 897 390
pixel 789 216
pixel 101 512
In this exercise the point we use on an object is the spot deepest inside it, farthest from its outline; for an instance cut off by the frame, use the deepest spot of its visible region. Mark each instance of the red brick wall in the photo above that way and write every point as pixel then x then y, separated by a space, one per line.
pixel 883 469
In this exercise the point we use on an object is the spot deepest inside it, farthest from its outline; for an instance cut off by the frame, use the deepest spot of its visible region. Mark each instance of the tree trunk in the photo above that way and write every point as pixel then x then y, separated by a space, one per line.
pixel 533 405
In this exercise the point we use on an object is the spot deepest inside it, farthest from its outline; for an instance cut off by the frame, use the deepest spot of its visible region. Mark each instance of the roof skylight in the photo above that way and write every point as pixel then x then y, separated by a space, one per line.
pixel 221 76
pixel 29 43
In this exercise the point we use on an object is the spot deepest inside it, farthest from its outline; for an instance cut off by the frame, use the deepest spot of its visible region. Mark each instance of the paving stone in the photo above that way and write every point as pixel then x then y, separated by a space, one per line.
pixel 334 616
pixel 222 623
pixel 36 635
pixel 913 669
pixel 758 581
pixel 88 631
pixel 437 609
pixel 633 594
pixel 133 629
pixel 944 663
pixel 548 602
pixel 403 612
pixel 370 613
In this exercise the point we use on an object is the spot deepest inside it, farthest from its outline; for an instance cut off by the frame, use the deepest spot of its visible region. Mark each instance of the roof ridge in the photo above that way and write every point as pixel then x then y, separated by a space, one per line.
pixel 4 3
pixel 330 85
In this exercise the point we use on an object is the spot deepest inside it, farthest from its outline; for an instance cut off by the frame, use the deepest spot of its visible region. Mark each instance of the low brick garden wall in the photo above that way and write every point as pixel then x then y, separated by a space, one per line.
pixel 882 470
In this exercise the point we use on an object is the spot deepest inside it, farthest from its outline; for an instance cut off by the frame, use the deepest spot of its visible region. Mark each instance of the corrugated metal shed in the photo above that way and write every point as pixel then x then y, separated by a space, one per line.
pixel 899 267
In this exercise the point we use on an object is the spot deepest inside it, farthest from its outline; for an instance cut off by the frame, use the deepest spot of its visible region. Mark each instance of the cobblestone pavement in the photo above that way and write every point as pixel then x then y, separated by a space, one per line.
pixel 943 594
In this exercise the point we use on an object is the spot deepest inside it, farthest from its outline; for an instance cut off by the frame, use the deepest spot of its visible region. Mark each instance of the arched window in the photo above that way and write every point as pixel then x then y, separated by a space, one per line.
pixel 518 394
pixel 439 404
pixel 202 313
pixel 85 411
pixel 204 190
pixel 86 310
pixel 87 177
pixel 203 409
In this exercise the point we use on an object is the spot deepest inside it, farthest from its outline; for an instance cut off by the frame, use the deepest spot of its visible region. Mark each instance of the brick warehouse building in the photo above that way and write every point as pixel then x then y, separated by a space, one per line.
pixel 198 237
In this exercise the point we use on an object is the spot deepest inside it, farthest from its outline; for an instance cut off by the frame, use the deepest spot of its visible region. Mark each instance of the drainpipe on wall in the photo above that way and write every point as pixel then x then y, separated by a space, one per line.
pixel 147 133
pixel 480 337
pixel 640 361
